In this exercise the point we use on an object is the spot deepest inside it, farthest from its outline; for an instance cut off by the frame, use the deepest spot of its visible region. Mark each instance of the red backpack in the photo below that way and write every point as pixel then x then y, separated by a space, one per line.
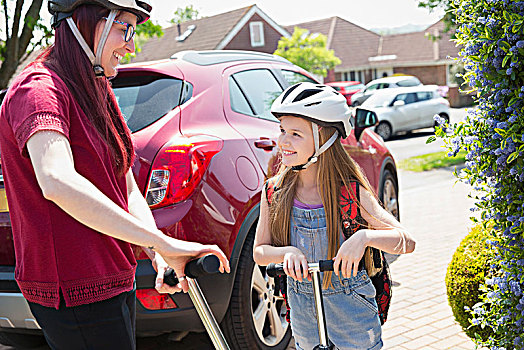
pixel 352 221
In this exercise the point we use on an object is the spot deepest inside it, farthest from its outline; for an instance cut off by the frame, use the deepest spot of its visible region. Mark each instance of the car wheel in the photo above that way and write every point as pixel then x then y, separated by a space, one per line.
pixel 256 315
pixel 389 194
pixel 444 116
pixel 384 130
pixel 21 341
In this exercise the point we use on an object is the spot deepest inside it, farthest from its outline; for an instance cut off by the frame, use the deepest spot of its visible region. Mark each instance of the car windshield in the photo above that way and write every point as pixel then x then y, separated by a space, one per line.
pixel 354 87
pixel 145 99
pixel 378 100
pixel 409 82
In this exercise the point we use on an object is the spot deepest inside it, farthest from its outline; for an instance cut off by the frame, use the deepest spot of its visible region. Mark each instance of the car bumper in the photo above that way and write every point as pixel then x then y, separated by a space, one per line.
pixel 15 312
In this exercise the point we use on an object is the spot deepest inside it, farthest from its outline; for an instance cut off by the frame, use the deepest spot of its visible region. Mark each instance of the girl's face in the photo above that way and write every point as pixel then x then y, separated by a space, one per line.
pixel 295 142
pixel 115 47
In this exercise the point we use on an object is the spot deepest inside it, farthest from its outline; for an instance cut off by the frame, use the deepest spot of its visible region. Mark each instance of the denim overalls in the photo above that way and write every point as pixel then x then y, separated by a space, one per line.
pixel 349 305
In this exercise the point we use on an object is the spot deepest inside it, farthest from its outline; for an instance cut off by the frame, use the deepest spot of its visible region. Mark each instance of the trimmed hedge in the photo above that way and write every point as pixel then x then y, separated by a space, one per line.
pixel 467 271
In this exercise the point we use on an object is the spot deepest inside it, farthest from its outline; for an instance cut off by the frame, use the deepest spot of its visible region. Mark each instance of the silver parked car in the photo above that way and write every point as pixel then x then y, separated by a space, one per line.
pixel 406 109
pixel 383 83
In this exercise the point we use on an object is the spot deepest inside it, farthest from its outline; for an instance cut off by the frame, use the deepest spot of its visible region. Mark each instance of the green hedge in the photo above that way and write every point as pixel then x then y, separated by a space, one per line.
pixel 466 273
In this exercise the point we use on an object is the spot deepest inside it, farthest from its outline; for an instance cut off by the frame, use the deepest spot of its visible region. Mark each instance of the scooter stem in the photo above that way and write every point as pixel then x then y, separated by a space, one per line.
pixel 206 316
pixel 319 307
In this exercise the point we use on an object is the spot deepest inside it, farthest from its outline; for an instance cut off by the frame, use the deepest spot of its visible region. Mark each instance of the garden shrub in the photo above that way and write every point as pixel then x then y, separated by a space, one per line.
pixel 466 273
pixel 490 33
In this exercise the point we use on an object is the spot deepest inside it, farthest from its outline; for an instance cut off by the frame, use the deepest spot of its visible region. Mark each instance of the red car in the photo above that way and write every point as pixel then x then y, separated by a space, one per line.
pixel 205 143
pixel 347 88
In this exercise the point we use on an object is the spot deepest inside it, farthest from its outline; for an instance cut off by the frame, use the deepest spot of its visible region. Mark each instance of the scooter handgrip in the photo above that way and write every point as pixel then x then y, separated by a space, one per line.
pixel 205 265
pixel 325 265
pixel 274 270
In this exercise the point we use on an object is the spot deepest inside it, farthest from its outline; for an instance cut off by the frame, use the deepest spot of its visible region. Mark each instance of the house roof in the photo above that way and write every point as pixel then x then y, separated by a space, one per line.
pixel 352 43
pixel 209 33
pixel 359 48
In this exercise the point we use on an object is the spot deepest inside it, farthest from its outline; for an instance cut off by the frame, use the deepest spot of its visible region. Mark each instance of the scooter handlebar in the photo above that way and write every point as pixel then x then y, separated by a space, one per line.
pixel 274 270
pixel 205 265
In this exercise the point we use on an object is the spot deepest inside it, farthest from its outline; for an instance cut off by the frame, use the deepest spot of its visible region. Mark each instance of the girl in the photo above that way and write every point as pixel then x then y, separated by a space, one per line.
pixel 302 222
pixel 74 204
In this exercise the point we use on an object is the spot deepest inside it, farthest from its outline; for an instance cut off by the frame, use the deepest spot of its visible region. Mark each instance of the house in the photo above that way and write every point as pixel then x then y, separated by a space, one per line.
pixel 366 55
pixel 247 28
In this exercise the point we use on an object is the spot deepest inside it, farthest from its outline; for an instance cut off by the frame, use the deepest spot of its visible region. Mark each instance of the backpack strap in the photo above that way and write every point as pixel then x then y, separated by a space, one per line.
pixel 270 189
pixel 352 219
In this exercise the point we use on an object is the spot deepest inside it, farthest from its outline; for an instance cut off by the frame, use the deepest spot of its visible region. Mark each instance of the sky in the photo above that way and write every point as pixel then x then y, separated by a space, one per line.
pixel 365 13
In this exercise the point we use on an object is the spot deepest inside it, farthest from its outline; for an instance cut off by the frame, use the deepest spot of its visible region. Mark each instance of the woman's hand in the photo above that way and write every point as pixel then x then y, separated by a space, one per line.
pixel 295 264
pixel 160 266
pixel 350 253
pixel 179 253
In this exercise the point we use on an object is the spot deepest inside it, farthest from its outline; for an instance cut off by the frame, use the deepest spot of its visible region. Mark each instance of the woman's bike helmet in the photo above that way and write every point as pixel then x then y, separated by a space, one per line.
pixel 63 9
pixel 321 105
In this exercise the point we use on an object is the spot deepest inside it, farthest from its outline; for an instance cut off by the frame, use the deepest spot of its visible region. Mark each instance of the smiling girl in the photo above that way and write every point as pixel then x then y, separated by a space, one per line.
pixel 74 205
pixel 300 221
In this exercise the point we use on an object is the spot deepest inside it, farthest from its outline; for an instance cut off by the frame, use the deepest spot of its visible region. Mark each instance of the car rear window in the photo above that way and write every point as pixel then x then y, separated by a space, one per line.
pixel 144 99
pixel 409 82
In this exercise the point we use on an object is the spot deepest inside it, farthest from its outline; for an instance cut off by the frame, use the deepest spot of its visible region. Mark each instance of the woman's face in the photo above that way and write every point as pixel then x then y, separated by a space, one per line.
pixel 295 142
pixel 115 47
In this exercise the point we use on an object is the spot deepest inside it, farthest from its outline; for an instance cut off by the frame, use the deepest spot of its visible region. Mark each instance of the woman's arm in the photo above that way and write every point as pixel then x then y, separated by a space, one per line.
pixel 385 233
pixel 295 263
pixel 53 163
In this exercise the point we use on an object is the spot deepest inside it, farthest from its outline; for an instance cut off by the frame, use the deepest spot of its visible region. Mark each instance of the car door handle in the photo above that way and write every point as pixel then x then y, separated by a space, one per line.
pixel 265 144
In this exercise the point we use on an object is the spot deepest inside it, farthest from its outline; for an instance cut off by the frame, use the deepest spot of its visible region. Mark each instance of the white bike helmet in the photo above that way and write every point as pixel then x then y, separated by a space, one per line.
pixel 63 9
pixel 321 105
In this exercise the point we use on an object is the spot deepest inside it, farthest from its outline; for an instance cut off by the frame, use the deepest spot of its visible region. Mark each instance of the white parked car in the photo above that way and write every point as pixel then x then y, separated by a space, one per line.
pixel 406 109
pixel 373 86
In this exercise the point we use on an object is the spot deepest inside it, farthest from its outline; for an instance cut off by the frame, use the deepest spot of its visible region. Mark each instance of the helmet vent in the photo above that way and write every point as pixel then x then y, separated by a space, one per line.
pixel 290 90
pixel 313 104
pixel 305 94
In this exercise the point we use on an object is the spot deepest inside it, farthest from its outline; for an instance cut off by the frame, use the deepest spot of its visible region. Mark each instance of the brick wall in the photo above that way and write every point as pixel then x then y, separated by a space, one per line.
pixel 242 41
pixel 428 75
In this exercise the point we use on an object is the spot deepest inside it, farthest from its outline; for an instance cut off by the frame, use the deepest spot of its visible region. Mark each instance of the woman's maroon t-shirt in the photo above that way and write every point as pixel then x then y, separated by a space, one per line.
pixel 54 252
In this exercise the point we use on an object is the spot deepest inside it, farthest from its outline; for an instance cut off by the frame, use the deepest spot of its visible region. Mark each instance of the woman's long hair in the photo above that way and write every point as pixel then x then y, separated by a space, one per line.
pixel 335 169
pixel 94 95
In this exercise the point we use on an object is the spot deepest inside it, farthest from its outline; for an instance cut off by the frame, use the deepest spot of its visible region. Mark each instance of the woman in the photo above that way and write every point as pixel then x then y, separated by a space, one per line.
pixel 74 204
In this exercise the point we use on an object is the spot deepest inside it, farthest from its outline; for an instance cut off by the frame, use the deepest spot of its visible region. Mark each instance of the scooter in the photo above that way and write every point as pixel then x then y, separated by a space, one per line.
pixel 274 270
pixel 205 265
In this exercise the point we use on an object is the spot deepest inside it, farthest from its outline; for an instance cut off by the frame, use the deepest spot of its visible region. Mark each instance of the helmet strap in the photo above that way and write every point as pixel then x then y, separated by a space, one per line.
pixel 95 60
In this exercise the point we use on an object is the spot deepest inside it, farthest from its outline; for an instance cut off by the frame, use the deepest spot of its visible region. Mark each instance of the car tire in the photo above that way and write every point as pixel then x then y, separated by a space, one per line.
pixel 255 318
pixel 21 341
pixel 444 116
pixel 384 130
pixel 388 193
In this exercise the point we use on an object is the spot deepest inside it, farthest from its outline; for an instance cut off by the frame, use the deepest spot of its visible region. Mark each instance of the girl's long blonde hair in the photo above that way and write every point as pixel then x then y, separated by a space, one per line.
pixel 335 169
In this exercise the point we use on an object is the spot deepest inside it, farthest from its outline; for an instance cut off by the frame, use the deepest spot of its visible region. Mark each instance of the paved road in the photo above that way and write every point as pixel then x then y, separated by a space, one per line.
pixel 414 144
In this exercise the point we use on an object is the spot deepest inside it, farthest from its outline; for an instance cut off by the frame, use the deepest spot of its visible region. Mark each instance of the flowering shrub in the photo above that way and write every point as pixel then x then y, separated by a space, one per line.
pixel 490 33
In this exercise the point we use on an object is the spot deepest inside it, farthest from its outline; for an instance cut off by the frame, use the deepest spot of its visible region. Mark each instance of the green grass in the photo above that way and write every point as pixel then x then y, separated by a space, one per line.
pixel 431 161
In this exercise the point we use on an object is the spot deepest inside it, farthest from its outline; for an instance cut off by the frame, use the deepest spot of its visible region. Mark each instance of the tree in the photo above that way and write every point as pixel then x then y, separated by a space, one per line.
pixel 19 36
pixel 184 14
pixel 308 51
pixel 449 16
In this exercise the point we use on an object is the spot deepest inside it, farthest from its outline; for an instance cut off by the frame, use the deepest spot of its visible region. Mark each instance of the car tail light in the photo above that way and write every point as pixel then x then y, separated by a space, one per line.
pixel 179 167
pixel 152 300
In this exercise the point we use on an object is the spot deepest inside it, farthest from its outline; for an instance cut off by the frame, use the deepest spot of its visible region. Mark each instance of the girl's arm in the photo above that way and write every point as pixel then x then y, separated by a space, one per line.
pixel 294 262
pixel 53 163
pixel 385 233
pixel 138 207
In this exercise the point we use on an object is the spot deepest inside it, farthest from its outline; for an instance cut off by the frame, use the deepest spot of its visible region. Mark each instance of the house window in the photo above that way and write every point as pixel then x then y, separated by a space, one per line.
pixel 256 30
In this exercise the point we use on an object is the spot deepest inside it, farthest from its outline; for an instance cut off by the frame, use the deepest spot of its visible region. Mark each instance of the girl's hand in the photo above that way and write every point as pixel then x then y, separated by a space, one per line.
pixel 160 266
pixel 295 265
pixel 350 253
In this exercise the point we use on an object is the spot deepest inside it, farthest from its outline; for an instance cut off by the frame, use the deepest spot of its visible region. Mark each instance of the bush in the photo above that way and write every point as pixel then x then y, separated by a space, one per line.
pixel 490 33
pixel 466 273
